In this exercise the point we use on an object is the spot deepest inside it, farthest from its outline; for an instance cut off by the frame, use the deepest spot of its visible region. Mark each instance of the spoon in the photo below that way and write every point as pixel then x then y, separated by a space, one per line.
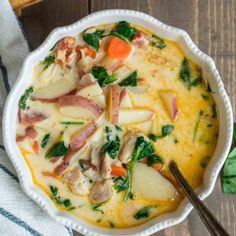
pixel 213 226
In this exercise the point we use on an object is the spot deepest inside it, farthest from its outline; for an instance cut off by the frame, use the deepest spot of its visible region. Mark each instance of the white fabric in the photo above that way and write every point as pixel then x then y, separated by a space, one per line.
pixel 19 216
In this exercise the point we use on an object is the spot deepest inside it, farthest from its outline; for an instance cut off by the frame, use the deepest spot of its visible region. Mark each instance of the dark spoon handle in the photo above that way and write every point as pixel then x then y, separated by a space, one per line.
pixel 209 220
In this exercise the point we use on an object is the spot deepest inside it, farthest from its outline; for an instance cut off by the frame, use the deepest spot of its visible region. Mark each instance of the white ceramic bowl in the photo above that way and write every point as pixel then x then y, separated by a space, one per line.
pixel 225 117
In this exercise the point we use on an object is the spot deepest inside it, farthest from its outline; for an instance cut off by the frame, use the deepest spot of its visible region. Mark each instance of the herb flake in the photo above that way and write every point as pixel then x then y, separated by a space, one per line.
pixel 24 97
pixel 48 61
pixel 131 80
pixel 45 140
pixel 59 149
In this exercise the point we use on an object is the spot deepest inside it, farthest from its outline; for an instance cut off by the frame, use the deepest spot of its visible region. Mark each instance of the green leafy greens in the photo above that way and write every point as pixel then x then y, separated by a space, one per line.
pixel 157 42
pixel 131 80
pixel 125 29
pixel 45 140
pixel 102 77
pixel 58 149
pixel 96 207
pixel 48 61
pixel 60 201
pixel 153 159
pixel 197 125
pixel 93 38
pixel 112 146
pixel 229 170
pixel 72 123
pixel 24 97
pixel 142 213
pixel 185 73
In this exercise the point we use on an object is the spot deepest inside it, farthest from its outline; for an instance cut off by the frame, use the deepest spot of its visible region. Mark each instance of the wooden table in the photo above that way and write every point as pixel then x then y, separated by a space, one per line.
pixel 211 25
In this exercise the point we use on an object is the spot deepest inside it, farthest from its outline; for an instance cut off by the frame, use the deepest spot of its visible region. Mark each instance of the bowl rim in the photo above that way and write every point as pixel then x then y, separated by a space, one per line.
pixel 156 223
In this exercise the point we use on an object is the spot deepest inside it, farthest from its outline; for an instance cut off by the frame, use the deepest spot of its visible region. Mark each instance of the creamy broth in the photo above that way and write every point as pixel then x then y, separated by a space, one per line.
pixel 106 112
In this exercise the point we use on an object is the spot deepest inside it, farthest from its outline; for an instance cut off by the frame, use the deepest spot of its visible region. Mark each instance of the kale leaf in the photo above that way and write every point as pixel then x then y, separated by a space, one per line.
pixel 125 29
pixel 157 42
pixel 153 159
pixel 102 77
pixel 48 61
pixel 131 80
pixel 93 38
pixel 185 73
pixel 146 148
pixel 59 149
pixel 24 97
pixel 142 213
pixel 111 146
pixel 45 140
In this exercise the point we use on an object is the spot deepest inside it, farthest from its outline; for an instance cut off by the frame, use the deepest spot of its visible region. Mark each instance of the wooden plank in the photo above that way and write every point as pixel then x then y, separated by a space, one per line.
pixel 39 20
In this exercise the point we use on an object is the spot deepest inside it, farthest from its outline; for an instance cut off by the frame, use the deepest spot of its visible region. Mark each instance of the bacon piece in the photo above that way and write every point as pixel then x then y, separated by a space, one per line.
pixel 31 132
pixel 66 161
pixel 79 138
pixel 71 100
pixel 114 104
pixel 29 119
pixel 54 159
pixel 139 40
pixel 122 94
pixel 20 138
pixel 66 43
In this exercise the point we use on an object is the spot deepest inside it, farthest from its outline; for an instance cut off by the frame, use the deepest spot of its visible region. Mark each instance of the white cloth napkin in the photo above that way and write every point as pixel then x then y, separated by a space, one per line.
pixel 19 216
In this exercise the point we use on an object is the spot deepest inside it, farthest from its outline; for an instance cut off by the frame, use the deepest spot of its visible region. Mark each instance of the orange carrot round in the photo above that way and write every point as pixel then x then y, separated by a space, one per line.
pixel 118 48
pixel 36 147
pixel 118 171
pixel 157 166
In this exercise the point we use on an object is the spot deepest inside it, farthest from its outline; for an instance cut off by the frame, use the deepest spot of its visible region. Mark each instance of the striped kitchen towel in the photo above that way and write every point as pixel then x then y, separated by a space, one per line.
pixel 19 216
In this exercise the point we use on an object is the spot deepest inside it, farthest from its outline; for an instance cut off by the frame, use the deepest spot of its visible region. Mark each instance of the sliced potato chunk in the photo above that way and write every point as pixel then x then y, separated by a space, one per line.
pixel 150 184
pixel 132 116
pixel 54 90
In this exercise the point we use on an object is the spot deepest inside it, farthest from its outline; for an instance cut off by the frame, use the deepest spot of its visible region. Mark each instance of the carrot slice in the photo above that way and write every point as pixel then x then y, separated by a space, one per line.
pixel 36 147
pixel 48 174
pixel 118 171
pixel 157 166
pixel 118 48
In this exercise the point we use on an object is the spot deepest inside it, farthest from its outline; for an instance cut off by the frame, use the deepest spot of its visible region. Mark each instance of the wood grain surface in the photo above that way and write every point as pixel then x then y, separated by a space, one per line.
pixel 210 23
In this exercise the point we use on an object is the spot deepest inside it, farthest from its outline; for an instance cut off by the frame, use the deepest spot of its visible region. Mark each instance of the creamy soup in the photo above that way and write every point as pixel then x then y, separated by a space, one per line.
pixel 105 113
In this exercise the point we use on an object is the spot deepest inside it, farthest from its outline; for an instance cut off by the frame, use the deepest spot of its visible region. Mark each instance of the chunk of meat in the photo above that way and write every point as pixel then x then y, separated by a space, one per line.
pixel 31 132
pixel 92 174
pixel 95 156
pixel 139 40
pixel 66 43
pixel 65 162
pixel 77 182
pixel 129 141
pixel 79 138
pixel 30 119
pixel 101 191
pixel 83 51
pixel 64 52
pixel 106 167
pixel 114 102
pixel 72 100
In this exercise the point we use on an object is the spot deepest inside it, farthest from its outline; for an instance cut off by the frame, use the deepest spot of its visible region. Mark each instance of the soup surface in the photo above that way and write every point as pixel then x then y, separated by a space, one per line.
pixel 105 113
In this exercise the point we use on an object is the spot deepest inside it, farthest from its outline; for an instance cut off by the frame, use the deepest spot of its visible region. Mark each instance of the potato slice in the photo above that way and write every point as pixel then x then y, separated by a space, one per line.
pixel 132 116
pixel 91 90
pixel 77 112
pixel 150 184
pixel 169 99
pixel 126 101
pixel 55 89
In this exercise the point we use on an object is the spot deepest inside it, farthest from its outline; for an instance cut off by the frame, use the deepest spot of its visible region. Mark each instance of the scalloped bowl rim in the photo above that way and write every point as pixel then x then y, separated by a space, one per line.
pixel 209 69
